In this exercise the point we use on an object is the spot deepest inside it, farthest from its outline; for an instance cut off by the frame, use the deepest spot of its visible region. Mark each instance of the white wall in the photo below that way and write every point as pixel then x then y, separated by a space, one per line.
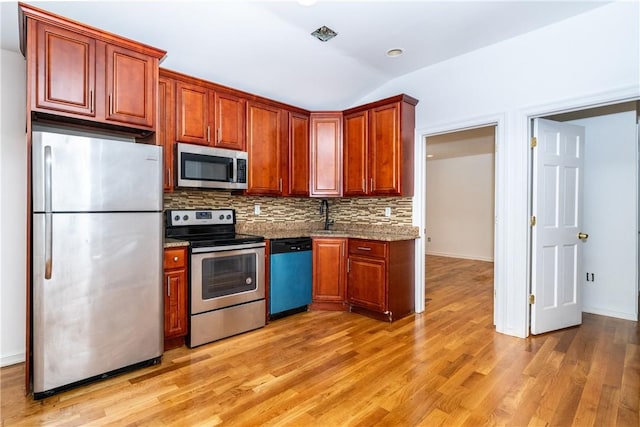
pixel 591 58
pixel 13 190
pixel 610 214
pixel 459 215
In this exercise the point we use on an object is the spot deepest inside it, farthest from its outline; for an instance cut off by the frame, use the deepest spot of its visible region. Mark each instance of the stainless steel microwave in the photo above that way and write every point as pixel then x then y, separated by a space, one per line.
pixel 209 167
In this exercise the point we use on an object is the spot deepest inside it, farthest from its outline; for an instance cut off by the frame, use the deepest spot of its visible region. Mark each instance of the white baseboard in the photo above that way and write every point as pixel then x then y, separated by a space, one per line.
pixel 473 257
pixel 610 313
pixel 11 359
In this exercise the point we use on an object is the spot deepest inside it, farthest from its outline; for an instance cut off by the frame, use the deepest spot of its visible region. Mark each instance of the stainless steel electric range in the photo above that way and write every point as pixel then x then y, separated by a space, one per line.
pixel 227 274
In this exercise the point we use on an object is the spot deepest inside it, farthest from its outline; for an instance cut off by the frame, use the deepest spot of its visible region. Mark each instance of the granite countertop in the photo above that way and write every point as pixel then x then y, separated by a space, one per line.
pixel 173 243
pixel 372 232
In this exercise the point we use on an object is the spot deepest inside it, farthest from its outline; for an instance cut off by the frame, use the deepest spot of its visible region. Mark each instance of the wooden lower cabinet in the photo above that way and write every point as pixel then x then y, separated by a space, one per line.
pixel 175 297
pixel 380 278
pixel 329 274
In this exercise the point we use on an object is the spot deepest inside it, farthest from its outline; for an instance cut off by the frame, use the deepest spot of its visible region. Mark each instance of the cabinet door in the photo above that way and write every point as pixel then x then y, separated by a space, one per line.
pixel 329 270
pixel 298 154
pixel 193 115
pixel 65 71
pixel 326 155
pixel 229 121
pixel 355 158
pixel 165 130
pixel 366 282
pixel 264 146
pixel 131 92
pixel 385 150
pixel 175 303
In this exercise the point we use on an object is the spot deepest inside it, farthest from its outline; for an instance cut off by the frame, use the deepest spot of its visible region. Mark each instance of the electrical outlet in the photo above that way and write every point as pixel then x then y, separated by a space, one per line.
pixel 256 209
pixel 387 212
pixel 428 239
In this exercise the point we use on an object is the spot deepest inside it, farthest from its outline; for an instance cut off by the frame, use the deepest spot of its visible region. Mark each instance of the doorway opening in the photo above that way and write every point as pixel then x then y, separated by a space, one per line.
pixel 459 240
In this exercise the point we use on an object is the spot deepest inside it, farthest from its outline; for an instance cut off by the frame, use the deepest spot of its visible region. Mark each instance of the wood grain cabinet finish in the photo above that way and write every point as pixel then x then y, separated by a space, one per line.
pixel 378 148
pixel 266 149
pixel 194 114
pixel 380 279
pixel 326 154
pixel 78 72
pixel 207 117
pixel 175 296
pixel 329 274
pixel 229 121
pixel 298 154
pixel 165 131
pixel 356 153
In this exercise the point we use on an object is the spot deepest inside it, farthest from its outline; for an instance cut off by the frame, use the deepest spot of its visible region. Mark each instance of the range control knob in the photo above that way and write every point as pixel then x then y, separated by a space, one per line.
pixel 177 217
pixel 186 217
pixel 229 216
pixel 221 217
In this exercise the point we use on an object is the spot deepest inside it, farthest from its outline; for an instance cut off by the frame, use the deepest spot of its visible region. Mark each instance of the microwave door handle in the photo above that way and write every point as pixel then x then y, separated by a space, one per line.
pixel 233 167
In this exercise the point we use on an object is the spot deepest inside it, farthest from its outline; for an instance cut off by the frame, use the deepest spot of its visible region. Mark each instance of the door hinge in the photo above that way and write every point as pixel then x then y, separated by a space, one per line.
pixel 534 142
pixel 532 299
pixel 533 220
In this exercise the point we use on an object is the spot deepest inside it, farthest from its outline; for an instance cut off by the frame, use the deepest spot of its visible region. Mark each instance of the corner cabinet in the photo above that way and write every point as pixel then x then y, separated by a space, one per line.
pixel 380 280
pixel 378 148
pixel 326 155
pixel 329 274
pixel 175 296
pixel 79 72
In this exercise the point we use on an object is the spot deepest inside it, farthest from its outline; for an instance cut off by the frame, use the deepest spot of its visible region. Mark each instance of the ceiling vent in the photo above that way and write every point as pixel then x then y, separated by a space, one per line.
pixel 324 33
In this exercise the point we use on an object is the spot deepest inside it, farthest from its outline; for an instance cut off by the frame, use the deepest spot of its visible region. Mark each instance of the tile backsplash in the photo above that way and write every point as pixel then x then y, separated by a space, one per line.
pixel 360 211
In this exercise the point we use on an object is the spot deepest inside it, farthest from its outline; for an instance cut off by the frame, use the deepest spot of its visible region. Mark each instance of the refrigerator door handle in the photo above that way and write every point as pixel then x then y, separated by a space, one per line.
pixel 48 244
pixel 48 232
pixel 47 179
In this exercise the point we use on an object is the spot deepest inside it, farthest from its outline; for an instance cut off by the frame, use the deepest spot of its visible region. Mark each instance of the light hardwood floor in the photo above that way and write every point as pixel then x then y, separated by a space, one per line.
pixel 445 367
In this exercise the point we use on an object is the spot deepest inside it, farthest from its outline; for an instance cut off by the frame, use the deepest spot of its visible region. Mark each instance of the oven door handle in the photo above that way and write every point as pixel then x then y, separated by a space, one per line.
pixel 227 248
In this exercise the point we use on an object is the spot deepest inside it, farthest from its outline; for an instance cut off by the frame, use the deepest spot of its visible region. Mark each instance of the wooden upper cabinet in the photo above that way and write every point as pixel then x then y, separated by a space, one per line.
pixel 79 72
pixel 266 149
pixel 130 80
pixel 194 115
pixel 356 153
pixel 298 154
pixel 165 131
pixel 385 150
pixel 379 146
pixel 229 121
pixel 66 71
pixel 326 154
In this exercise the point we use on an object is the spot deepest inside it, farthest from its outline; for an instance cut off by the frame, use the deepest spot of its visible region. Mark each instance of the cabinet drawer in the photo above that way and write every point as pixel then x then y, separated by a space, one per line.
pixel 175 258
pixel 367 248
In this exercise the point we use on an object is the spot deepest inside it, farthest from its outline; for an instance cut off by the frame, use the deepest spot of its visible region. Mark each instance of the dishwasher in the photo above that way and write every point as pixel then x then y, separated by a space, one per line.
pixel 289 276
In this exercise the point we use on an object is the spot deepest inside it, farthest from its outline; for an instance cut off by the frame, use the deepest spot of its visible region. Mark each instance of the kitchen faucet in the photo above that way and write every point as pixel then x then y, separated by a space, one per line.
pixel 324 208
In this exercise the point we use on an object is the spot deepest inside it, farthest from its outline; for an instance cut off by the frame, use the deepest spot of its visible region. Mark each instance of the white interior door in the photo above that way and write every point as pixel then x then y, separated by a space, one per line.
pixel 556 263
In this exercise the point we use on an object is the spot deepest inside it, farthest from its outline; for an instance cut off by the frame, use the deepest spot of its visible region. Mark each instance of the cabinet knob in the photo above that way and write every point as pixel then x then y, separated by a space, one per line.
pixel 175 258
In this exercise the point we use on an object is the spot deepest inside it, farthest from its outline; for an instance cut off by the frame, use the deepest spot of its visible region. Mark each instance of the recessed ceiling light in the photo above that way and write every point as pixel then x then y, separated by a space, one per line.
pixel 307 2
pixel 324 33
pixel 392 53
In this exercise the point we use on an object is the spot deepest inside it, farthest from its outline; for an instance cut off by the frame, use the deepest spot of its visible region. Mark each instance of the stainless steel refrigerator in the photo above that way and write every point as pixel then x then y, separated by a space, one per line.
pixel 97 301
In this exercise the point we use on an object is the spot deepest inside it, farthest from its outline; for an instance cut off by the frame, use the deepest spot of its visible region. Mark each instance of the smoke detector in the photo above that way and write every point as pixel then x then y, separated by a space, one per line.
pixel 324 33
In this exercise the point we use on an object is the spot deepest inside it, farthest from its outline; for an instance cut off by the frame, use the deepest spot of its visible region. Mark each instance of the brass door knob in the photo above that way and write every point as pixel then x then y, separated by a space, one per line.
pixel 583 236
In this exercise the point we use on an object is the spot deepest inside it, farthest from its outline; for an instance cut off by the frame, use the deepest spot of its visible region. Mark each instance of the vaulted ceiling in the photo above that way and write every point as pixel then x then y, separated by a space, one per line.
pixel 265 47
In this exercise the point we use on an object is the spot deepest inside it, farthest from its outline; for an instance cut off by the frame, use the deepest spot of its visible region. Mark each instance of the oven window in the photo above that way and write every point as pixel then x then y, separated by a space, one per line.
pixel 228 275
pixel 206 168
